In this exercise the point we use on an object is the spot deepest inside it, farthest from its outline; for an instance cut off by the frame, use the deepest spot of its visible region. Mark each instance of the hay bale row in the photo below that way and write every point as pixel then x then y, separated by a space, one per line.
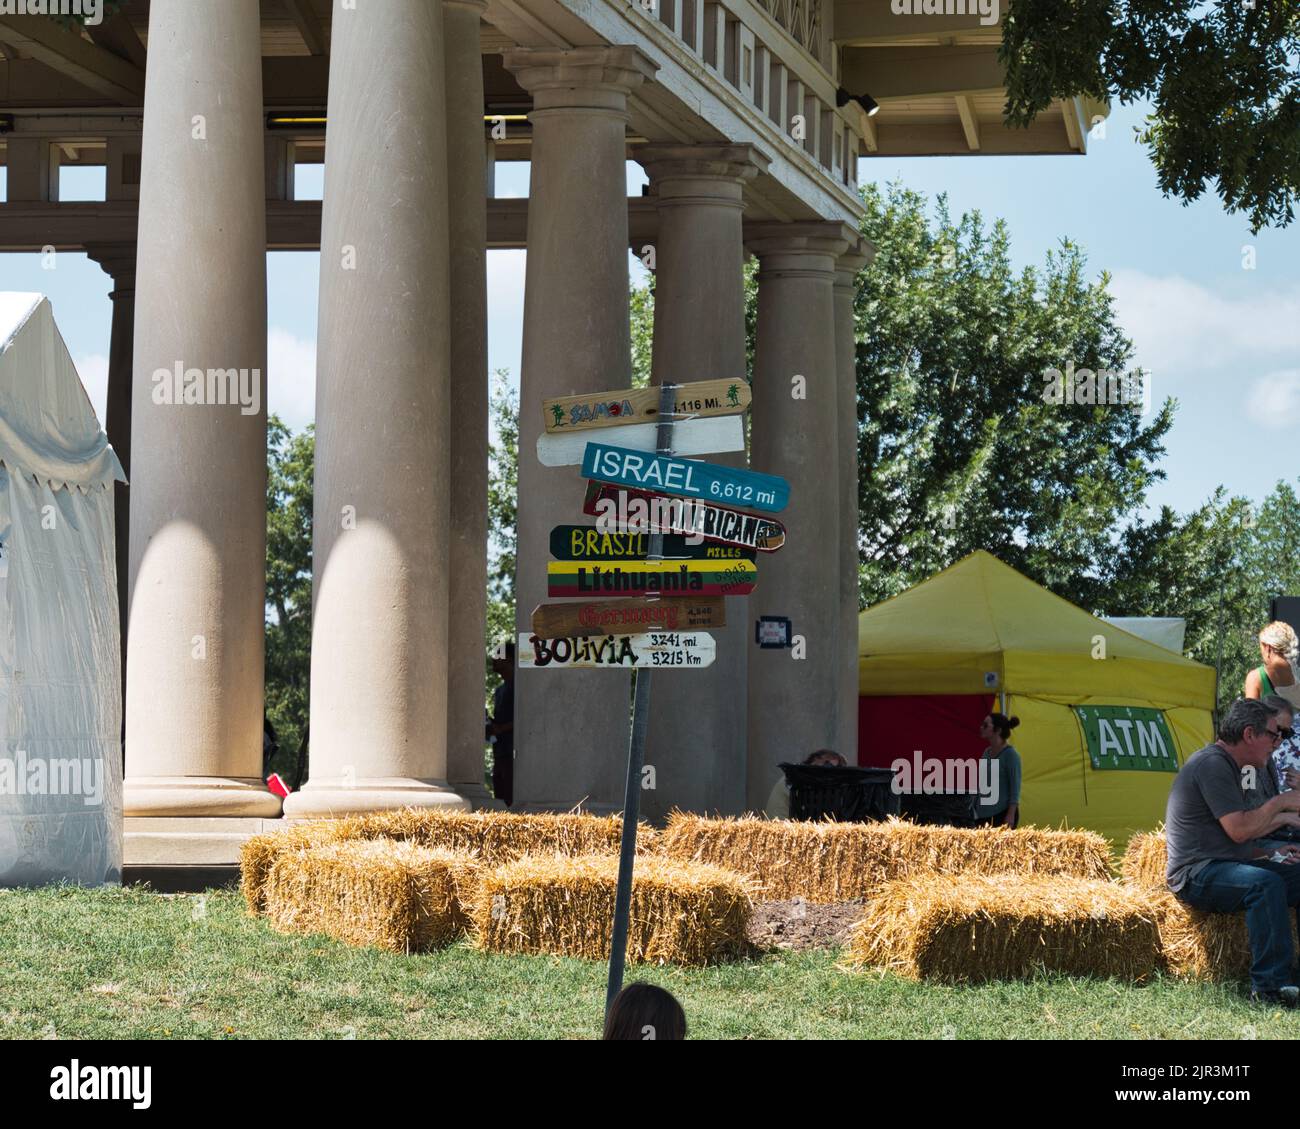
pixel 683 913
pixel 382 892
pixel 1144 861
pixel 836 862
pixel 971 928
pixel 493 837
pixel 1205 946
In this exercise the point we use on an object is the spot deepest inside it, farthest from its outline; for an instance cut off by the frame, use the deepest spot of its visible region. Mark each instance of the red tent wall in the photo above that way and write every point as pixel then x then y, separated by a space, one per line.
pixel 943 726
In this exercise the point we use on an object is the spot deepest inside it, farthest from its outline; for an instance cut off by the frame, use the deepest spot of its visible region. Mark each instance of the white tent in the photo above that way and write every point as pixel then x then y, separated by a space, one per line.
pixel 1163 631
pixel 60 667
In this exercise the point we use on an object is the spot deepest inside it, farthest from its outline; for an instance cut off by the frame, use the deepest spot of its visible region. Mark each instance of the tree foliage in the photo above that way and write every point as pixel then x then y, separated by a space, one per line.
pixel 1223 78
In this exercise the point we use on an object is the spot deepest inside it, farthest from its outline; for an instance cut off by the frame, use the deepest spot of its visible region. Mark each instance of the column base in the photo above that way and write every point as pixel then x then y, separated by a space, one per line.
pixel 330 798
pixel 198 796
pixel 180 843
pixel 479 796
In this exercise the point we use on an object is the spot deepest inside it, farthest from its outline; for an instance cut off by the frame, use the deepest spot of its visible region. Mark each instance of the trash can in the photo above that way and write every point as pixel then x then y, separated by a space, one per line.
pixel 850 794
pixel 951 809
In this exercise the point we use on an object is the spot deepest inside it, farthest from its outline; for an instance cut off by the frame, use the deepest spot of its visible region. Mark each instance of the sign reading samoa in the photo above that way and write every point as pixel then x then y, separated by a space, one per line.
pixel 705 481
pixel 671 649
pixel 586 543
pixel 641 405
pixel 641 511
pixel 630 617
pixel 639 578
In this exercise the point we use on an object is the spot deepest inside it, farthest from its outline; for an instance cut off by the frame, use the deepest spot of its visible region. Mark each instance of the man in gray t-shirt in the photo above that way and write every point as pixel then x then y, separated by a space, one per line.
pixel 1216 821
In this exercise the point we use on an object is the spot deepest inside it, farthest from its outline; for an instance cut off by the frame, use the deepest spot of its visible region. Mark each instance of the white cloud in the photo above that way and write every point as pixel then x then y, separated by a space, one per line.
pixel 1273 401
pixel 291 378
pixel 93 370
pixel 1182 329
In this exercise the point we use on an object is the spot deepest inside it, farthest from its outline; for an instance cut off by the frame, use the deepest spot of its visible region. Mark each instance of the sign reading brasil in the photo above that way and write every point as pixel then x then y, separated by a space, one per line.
pixel 1132 738
pixel 729 485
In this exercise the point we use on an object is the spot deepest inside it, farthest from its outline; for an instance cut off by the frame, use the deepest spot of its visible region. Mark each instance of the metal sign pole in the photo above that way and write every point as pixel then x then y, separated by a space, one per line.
pixel 636 751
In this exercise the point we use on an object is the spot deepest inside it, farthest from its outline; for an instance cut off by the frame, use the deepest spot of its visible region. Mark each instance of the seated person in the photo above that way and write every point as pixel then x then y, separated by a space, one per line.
pixel 778 803
pixel 1219 856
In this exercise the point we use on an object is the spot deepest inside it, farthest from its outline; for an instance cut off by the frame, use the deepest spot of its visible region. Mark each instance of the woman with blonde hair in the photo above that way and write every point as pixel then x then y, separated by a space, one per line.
pixel 1278 649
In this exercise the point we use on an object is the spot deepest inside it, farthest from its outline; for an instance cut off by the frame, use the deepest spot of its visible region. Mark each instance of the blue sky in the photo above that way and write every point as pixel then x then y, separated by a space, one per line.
pixel 1224 340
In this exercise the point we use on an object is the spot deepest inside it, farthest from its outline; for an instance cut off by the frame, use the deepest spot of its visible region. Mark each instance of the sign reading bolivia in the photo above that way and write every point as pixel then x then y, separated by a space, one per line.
pixel 639 578
pixel 630 617
pixel 705 481
pixel 585 542
pixel 694 437
pixel 641 405
pixel 669 649
pixel 639 511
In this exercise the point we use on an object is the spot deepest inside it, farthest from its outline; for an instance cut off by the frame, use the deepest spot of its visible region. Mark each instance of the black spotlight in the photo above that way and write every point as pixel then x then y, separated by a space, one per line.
pixel 868 103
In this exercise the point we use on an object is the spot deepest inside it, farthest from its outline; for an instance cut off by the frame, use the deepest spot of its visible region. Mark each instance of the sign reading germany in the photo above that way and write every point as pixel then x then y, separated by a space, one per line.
pixel 632 578
pixel 641 405
pixel 705 481
pixel 630 617
pixel 641 511
pixel 684 650
pixel 585 542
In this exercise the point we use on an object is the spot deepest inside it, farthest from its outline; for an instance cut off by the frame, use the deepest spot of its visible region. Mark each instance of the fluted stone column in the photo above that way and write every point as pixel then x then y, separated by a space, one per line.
pixel 467 154
pixel 383 417
pixel 198 470
pixel 571 727
pixel 846 432
pixel 696 738
pixel 793 702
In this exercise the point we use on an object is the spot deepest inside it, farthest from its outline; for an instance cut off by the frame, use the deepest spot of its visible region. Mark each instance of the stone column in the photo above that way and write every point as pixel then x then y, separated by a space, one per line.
pixel 846 435
pixel 118 261
pixel 383 423
pixel 198 467
pixel 793 701
pixel 571 727
pixel 467 154
pixel 696 739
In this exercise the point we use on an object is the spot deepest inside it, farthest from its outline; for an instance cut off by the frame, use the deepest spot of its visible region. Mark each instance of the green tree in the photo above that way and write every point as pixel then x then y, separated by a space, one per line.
pixel 290 463
pixel 1223 78
pixel 958 449
pixel 503 511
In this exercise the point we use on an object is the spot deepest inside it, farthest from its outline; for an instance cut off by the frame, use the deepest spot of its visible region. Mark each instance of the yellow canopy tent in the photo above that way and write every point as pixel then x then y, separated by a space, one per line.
pixel 1098 707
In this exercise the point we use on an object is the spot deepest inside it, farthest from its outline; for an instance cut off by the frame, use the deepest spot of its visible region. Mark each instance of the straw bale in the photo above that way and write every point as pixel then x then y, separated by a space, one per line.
pixel 383 892
pixel 1144 861
pixel 966 928
pixel 836 862
pixel 1204 946
pixel 684 913
pixel 495 837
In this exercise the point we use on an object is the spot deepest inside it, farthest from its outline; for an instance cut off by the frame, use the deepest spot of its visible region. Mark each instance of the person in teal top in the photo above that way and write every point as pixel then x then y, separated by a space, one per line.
pixel 1004 806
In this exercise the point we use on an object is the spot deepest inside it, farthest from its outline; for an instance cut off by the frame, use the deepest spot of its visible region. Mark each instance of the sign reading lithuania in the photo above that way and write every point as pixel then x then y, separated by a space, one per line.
pixel 633 578
pixel 1128 737
pixel 707 481
pixel 586 543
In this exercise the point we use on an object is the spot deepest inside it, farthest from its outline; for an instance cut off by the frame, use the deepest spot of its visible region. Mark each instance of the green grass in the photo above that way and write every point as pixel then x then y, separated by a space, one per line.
pixel 130 963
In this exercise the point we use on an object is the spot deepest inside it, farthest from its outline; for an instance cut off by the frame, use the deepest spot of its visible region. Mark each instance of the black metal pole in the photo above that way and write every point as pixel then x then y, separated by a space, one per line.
pixel 636 752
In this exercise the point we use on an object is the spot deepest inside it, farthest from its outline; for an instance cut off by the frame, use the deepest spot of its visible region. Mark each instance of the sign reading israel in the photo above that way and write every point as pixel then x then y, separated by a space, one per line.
pixel 1128 737
pixel 729 485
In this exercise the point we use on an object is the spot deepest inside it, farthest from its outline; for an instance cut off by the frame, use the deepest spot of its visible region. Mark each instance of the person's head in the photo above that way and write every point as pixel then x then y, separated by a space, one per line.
pixel 645 1011
pixel 827 758
pixel 998 724
pixel 1250 729
pixel 1284 710
pixel 1278 638
pixel 505 667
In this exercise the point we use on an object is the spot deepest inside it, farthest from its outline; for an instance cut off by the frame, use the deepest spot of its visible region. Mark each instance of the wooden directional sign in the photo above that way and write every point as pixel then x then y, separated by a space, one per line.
pixel 695 437
pixel 640 510
pixel 641 405
pixel 705 481
pixel 668 650
pixel 587 543
pixel 630 617
pixel 647 578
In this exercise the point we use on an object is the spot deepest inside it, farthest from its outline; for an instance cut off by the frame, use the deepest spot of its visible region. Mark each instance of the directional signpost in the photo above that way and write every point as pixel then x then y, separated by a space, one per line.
pixel 643 405
pixel 585 542
pixel 660 650
pixel 705 481
pixel 654 577
pixel 630 617
pixel 642 511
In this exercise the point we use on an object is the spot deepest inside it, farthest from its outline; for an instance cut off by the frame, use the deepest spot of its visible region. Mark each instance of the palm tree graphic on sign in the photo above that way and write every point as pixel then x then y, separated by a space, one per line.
pixel 558 413
pixel 733 395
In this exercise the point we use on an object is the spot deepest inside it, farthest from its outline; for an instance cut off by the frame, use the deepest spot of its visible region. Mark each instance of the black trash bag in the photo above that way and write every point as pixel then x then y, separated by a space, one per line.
pixel 850 794
pixel 951 809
